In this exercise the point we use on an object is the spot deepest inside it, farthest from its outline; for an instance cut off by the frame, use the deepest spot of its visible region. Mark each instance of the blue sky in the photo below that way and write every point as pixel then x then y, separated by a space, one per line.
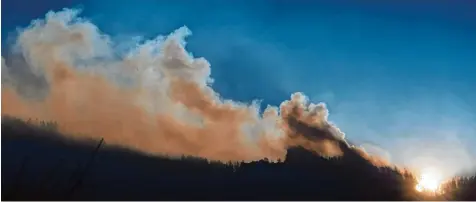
pixel 393 73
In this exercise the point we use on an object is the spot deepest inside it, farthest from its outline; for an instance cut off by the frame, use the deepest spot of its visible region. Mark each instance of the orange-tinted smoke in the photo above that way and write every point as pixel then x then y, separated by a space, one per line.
pixel 166 107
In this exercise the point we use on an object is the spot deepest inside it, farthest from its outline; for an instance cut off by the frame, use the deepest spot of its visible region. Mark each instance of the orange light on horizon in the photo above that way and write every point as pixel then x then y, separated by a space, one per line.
pixel 430 181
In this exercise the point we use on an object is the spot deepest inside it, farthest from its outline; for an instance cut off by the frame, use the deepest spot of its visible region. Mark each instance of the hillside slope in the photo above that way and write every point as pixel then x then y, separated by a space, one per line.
pixel 38 164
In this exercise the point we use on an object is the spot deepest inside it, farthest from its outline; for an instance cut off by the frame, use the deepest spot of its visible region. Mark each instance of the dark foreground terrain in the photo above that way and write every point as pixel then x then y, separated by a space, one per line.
pixel 37 164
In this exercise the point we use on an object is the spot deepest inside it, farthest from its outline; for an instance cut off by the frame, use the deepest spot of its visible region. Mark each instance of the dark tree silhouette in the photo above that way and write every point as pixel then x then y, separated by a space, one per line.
pixel 40 164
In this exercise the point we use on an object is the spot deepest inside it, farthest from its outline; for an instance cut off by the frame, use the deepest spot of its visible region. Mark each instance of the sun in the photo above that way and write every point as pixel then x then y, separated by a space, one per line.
pixel 429 181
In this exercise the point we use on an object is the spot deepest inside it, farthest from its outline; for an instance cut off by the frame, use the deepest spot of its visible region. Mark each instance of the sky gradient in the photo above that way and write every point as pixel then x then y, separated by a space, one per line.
pixel 394 74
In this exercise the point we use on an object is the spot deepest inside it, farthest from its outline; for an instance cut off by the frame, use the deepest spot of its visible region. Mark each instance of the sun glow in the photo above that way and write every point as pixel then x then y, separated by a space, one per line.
pixel 429 181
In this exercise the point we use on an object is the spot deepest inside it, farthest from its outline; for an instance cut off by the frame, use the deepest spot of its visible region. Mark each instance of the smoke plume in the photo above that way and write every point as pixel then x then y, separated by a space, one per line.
pixel 156 98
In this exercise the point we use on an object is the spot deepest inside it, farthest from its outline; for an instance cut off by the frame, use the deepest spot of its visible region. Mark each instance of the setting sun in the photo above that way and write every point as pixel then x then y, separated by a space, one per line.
pixel 429 181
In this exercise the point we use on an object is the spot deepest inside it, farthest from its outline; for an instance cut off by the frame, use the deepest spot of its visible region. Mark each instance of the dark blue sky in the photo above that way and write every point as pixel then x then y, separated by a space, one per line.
pixel 399 74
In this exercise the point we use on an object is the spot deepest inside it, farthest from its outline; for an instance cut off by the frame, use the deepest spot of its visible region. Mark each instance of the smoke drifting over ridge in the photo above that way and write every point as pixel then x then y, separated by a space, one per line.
pixel 157 98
